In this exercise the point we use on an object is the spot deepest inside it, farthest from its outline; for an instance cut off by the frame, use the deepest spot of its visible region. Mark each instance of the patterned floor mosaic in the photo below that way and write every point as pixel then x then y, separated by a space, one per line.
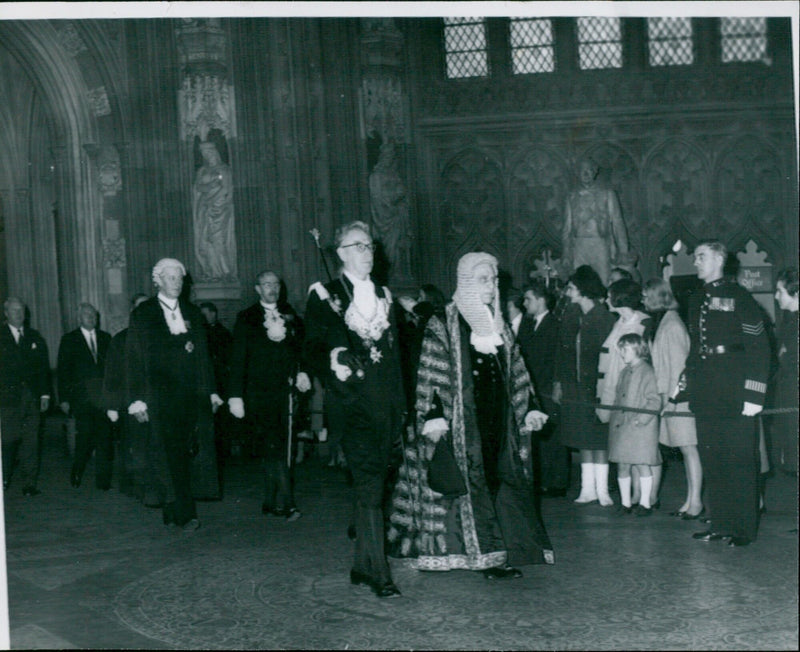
pixel 98 570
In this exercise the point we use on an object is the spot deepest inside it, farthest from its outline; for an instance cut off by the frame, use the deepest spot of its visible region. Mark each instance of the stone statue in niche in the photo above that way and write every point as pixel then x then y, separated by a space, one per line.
pixel 594 232
pixel 212 208
pixel 389 208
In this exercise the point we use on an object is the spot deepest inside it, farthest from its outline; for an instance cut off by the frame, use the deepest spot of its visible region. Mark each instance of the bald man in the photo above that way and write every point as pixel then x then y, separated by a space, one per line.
pixel 24 394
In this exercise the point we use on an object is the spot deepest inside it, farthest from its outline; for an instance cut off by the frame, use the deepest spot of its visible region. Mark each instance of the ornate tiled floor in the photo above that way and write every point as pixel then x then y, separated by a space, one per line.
pixel 87 569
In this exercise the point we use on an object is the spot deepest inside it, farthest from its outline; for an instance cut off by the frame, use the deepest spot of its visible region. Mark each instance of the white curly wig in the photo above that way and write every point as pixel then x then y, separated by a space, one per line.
pixel 162 264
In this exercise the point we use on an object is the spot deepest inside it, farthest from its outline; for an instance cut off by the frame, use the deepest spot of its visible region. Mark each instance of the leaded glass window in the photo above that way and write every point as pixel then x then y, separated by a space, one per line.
pixel 531 45
pixel 465 47
pixel 743 39
pixel 669 41
pixel 599 42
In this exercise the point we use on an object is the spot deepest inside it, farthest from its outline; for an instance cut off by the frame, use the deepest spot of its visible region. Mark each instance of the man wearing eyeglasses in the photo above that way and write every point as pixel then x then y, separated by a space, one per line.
pixel 351 343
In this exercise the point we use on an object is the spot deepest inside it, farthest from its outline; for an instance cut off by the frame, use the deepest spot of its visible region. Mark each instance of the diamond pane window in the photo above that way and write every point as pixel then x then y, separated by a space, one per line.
pixel 531 45
pixel 599 42
pixel 743 39
pixel 670 41
pixel 465 47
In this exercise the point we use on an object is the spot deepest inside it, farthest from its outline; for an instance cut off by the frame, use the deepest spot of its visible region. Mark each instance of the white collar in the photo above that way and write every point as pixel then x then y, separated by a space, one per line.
pixel 358 283
pixel 87 333
pixel 167 302
pixel 538 318
pixel 269 306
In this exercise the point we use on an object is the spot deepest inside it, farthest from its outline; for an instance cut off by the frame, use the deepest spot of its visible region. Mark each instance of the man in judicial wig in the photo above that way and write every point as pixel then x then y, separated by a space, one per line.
pixel 170 384
pixel 351 343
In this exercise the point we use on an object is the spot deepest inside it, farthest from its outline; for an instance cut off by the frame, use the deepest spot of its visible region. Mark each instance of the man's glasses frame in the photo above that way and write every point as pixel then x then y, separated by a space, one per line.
pixel 361 247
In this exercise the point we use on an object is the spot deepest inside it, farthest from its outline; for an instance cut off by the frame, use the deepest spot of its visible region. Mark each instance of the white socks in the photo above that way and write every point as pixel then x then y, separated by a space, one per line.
pixel 601 484
pixel 588 491
pixel 624 490
pixel 646 484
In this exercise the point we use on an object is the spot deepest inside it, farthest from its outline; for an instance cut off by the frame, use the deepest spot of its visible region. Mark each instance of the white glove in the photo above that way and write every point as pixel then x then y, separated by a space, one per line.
pixel 751 409
pixel 236 407
pixel 302 382
pixel 535 420
pixel 343 372
pixel 113 415
pixel 138 409
pixel 434 429
pixel 216 401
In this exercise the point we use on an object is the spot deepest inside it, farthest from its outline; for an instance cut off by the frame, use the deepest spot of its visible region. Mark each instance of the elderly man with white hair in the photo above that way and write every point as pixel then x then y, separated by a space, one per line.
pixel 170 385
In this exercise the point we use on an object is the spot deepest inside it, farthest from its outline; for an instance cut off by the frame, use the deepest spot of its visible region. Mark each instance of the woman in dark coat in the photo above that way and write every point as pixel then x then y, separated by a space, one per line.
pixel 583 332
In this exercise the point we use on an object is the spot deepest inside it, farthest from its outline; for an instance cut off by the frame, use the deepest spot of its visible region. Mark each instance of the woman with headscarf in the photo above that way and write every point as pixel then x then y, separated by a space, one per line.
pixel 472 388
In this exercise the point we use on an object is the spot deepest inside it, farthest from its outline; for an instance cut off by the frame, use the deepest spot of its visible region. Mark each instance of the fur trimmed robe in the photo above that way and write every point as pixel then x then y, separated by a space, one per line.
pixel 496 522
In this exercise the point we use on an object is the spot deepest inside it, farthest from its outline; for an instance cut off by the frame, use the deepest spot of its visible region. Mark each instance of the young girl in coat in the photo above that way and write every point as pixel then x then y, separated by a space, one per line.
pixel 633 436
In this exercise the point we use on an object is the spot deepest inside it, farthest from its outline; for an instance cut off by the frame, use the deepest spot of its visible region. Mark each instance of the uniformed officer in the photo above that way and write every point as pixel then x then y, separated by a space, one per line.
pixel 726 378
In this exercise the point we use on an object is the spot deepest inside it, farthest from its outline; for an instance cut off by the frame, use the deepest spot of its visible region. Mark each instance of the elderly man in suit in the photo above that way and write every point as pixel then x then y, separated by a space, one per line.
pixel 81 360
pixel 24 394
pixel 170 384
pixel 351 342
pixel 267 345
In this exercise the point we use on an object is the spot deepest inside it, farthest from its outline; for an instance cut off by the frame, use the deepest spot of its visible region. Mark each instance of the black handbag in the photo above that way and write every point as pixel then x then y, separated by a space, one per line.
pixel 444 476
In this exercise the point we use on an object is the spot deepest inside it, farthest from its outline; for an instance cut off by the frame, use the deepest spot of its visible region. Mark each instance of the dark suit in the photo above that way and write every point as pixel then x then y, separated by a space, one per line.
pixel 371 410
pixel 24 378
pixel 538 347
pixel 261 370
pixel 172 374
pixel 80 382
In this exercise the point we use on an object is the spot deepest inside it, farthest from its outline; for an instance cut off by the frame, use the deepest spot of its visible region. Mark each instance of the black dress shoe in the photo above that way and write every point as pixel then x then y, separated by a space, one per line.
pixel 386 590
pixel 30 490
pixel 679 513
pixel 351 532
pixel 502 573
pixel 266 509
pixel 75 479
pixel 738 542
pixel 641 510
pixel 708 535
pixel 357 578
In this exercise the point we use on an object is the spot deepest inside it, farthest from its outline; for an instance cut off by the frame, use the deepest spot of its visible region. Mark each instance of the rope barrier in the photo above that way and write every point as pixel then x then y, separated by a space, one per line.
pixel 623 408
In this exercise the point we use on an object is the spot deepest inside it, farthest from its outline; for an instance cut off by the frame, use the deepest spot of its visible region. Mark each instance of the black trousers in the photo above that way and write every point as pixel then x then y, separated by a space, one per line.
pixel 21 438
pixel 177 431
pixel 367 443
pixel 729 453
pixel 551 457
pixel 93 433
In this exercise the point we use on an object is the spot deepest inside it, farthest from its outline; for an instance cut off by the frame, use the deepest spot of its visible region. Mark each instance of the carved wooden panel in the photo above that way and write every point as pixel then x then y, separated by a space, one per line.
pixel 748 191
pixel 473 205
pixel 675 181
